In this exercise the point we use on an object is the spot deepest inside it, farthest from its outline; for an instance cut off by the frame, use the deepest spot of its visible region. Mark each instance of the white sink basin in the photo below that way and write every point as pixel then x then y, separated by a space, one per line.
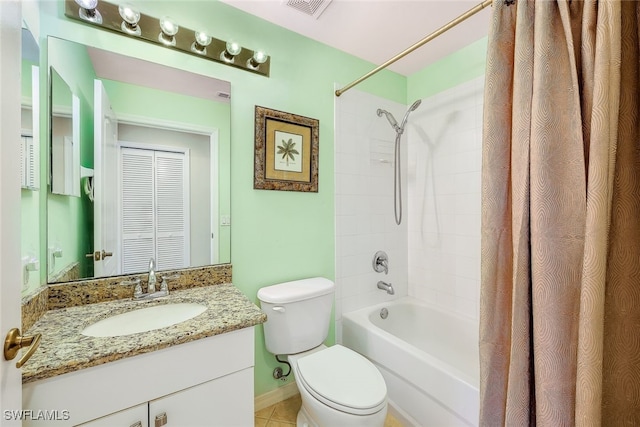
pixel 144 319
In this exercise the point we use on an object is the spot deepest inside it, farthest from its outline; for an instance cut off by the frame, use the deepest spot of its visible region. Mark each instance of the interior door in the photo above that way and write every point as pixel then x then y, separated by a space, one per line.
pixel 105 202
pixel 10 27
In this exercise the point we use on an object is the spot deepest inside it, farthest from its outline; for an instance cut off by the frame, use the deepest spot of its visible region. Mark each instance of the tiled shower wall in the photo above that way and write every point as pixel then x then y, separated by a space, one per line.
pixel 444 175
pixel 364 203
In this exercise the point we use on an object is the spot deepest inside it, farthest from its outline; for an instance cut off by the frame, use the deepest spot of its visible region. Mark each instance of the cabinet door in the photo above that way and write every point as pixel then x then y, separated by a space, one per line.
pixel 224 402
pixel 136 416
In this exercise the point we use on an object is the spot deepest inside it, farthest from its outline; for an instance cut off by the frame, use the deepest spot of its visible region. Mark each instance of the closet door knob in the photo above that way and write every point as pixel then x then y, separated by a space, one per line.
pixel 106 254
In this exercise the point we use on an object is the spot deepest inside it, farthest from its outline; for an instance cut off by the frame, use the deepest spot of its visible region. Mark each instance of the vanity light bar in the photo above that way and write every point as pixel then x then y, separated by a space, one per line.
pixel 148 29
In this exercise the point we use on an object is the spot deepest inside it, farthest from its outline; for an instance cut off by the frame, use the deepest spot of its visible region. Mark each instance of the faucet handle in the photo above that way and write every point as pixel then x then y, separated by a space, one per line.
pixel 381 262
pixel 137 290
pixel 164 286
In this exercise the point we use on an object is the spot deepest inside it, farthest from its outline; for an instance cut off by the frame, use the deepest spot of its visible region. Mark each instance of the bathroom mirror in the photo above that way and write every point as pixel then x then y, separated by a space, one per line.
pixel 65 137
pixel 30 162
pixel 154 175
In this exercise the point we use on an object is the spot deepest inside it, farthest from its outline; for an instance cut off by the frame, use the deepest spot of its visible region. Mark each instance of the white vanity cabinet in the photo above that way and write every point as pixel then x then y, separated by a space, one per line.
pixel 220 402
pixel 138 416
pixel 208 382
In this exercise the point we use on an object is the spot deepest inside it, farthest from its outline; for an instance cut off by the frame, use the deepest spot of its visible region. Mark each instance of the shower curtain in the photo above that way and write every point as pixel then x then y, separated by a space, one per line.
pixel 560 294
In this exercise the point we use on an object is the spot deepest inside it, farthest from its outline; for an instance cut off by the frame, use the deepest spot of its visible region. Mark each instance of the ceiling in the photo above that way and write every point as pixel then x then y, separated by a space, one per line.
pixel 377 30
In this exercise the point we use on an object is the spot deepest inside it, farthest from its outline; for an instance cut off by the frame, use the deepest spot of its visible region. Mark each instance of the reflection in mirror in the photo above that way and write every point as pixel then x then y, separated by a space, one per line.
pixel 65 138
pixel 30 162
pixel 155 167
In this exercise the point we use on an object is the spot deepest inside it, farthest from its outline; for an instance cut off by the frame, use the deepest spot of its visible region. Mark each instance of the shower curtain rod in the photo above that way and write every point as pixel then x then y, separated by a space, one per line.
pixel 425 40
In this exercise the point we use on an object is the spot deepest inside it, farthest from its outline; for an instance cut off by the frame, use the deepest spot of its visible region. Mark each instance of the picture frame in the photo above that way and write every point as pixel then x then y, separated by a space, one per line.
pixel 286 151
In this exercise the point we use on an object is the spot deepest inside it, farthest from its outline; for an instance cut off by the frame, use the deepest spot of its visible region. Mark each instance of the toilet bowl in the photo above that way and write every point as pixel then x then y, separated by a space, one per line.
pixel 338 387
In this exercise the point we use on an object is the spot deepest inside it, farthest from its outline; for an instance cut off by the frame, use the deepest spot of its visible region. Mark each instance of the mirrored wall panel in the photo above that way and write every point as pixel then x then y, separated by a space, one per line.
pixel 65 138
pixel 152 171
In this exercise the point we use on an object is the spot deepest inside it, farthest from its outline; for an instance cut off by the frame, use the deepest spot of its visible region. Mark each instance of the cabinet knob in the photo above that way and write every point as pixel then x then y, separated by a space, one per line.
pixel 161 419
pixel 136 424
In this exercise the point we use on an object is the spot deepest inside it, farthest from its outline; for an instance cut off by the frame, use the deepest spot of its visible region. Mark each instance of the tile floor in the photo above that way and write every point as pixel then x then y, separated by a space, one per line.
pixel 283 414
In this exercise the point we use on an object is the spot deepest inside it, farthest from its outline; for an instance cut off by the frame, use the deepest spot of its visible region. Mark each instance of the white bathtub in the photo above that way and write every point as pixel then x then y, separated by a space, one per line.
pixel 428 357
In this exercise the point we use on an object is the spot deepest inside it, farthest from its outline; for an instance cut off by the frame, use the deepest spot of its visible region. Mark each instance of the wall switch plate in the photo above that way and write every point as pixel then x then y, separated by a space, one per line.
pixel 225 220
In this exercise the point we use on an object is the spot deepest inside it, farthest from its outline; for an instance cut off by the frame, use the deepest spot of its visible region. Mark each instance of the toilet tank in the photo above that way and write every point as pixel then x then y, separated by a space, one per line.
pixel 298 314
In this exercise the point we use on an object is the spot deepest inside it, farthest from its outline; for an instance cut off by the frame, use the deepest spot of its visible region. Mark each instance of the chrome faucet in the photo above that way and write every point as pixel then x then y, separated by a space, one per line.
pixel 152 276
pixel 151 287
pixel 386 287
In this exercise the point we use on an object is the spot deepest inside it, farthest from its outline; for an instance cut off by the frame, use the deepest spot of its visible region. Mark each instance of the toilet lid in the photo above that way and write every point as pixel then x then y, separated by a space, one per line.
pixel 344 380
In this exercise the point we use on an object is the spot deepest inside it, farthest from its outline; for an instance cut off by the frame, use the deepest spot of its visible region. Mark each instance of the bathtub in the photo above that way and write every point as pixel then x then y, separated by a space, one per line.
pixel 428 357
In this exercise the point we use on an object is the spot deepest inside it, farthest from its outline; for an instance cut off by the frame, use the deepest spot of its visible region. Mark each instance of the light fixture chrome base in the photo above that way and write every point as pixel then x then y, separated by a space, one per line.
pixel 130 29
pixel 90 15
pixel 110 19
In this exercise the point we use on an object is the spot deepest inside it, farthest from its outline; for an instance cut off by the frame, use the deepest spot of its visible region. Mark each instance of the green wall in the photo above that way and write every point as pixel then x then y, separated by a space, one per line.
pixel 459 67
pixel 276 236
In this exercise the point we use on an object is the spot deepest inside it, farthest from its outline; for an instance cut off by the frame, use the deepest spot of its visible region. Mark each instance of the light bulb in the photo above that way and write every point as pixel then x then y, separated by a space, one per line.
pixel 169 30
pixel 258 58
pixel 129 14
pixel 130 17
pixel 169 26
pixel 202 41
pixel 232 49
pixel 87 4
pixel 203 38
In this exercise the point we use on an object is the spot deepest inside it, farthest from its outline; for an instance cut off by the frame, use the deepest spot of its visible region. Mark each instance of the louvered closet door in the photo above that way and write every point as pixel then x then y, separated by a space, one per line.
pixel 172 246
pixel 138 219
pixel 155 209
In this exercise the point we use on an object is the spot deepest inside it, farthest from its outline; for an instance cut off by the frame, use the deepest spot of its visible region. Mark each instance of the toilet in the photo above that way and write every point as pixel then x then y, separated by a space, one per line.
pixel 338 386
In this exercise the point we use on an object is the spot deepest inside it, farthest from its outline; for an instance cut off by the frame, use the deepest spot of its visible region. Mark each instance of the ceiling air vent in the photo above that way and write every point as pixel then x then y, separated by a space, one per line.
pixel 308 7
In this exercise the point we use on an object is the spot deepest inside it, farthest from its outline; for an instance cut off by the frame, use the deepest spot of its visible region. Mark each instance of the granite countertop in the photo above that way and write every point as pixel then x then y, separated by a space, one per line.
pixel 64 349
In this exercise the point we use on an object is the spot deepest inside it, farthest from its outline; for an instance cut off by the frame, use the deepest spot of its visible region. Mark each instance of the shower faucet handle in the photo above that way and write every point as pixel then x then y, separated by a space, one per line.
pixel 381 262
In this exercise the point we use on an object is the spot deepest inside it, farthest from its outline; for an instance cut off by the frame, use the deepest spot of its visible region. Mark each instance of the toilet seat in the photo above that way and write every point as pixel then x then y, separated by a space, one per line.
pixel 343 379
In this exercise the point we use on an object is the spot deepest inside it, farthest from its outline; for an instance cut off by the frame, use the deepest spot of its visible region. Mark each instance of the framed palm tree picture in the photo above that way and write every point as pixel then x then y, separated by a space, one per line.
pixel 286 151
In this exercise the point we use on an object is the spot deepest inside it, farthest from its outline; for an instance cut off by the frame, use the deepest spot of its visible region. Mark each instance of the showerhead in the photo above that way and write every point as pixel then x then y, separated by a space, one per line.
pixel 389 116
pixel 392 120
pixel 413 107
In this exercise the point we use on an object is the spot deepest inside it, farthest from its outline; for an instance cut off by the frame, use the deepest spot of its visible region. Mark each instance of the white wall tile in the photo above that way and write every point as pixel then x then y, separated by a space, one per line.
pixel 435 253
pixel 364 201
pixel 444 201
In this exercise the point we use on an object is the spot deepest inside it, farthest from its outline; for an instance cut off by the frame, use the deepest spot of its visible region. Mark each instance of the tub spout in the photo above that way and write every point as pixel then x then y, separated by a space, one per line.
pixel 386 287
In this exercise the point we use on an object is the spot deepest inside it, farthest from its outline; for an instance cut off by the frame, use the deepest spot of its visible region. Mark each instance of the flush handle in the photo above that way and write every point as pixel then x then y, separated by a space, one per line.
pixel 279 309
pixel 14 342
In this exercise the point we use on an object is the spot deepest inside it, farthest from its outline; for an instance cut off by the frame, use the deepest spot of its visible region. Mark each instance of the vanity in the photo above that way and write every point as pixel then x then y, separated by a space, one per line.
pixel 112 119
pixel 193 373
